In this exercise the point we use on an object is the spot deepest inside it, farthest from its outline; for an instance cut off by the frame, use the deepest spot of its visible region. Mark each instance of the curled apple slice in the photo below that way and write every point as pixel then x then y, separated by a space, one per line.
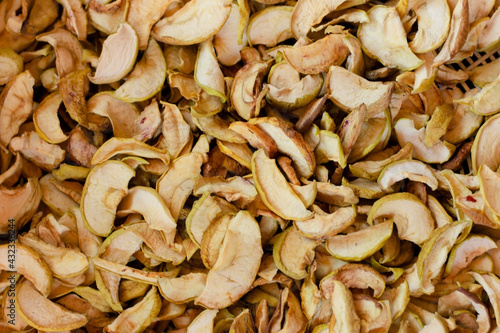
pixel 232 37
pixel 45 119
pixel 485 149
pixel 182 289
pixel 43 314
pixel 432 16
pixel 45 155
pixel 270 26
pixel 147 78
pixel 413 170
pixel 274 189
pixel 11 64
pixel 105 186
pixel 384 38
pixel 128 146
pixel 207 72
pixel 237 265
pixel 415 227
pixel 118 55
pixel 195 22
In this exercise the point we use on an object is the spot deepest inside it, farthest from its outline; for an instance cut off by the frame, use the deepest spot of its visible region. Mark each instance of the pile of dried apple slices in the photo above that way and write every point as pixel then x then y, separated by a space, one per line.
pixel 250 166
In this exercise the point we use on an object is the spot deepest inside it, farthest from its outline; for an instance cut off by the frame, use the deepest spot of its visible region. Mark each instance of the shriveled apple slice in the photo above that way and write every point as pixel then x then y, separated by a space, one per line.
pixel 274 190
pixel 207 72
pixel 212 239
pixel 147 202
pixel 240 152
pixel 433 19
pixel 376 132
pixel 175 185
pixel 489 40
pixel 289 142
pixel 438 124
pixel 308 13
pixel 317 57
pixel 134 274
pixel 246 89
pixel 45 119
pixel 107 17
pixel 204 210
pixel 29 264
pixel 232 37
pixel 491 285
pixel 490 187
pixel 293 253
pixel 329 148
pixel 353 276
pixel 486 147
pixel 147 78
pixel 43 314
pixel 486 73
pixel 45 155
pixel 193 23
pixel 457 35
pixel 348 91
pixel 297 95
pixel 343 308
pixel 270 26
pixel 406 132
pixel 237 265
pixel 359 245
pixel 128 146
pixel 118 55
pixel 138 317
pixel 11 63
pixel 143 14
pixel 63 262
pixel 413 170
pixel 484 102
pixel 434 254
pixel 182 289
pixel 176 132
pixel 384 38
pixel 415 227
pixel 482 319
pixel 235 188
pixel 463 254
pixel 19 203
pixel 105 186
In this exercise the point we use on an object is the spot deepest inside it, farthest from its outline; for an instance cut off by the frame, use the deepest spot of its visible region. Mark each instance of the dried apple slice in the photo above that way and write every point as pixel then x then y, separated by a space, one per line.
pixel 147 202
pixel 204 322
pixel 16 104
pixel 289 142
pixel 317 57
pixel 489 40
pixel 308 13
pixel 485 73
pixel 486 149
pixel 46 121
pixel 107 17
pixel 204 211
pixel 384 38
pixel 297 95
pixel 434 253
pixel 31 146
pixel 147 78
pixel 413 170
pixel 19 203
pixel 118 55
pixel 193 23
pixel 232 37
pixel 240 152
pixel 344 317
pixel 348 91
pixel 182 289
pixel 457 35
pixel 232 189
pixel 246 89
pixel 329 148
pixel 270 26
pixel 63 262
pixel 359 245
pixel 463 254
pixel 293 253
pixel 354 276
pixel 438 124
pixel 11 64
pixel 237 265
pixel 143 14
pixel 43 314
pixel 178 182
pixel 415 227
pixel 490 186
pixel 101 198
pixel 322 225
pixel 433 19
pixel 29 264
pixel 483 102
pixel 128 146
pixel 274 190
pixel 406 132
pixel 138 317
pixel 207 72
pixel 218 128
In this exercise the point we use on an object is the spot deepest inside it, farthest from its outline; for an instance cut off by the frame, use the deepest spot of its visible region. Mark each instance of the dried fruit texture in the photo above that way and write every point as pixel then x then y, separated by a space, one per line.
pixel 250 166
